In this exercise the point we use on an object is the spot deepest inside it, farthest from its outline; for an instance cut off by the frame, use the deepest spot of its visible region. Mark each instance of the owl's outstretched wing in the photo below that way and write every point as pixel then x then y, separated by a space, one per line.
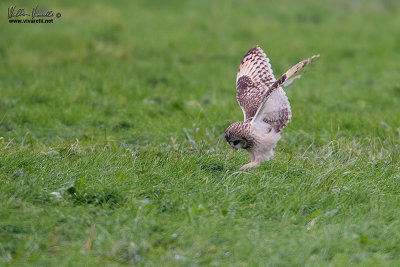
pixel 267 110
pixel 254 77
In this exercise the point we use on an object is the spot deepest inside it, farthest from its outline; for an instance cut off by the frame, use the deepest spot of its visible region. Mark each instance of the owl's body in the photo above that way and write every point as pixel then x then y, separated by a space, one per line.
pixel 265 107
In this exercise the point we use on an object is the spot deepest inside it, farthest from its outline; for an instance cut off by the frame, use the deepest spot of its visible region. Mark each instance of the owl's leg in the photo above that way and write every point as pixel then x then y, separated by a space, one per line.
pixel 252 156
pixel 253 164
pixel 250 165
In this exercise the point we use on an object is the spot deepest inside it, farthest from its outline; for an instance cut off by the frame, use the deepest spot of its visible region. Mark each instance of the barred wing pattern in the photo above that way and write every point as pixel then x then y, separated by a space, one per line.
pixel 254 77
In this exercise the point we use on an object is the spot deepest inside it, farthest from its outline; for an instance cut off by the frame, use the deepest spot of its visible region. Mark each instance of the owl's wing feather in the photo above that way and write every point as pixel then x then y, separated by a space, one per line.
pixel 253 79
pixel 275 97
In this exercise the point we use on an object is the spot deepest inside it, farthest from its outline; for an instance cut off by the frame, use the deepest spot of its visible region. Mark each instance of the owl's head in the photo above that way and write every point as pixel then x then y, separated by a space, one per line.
pixel 238 135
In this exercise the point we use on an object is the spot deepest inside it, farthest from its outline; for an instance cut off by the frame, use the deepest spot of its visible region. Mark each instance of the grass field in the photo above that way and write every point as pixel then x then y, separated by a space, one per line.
pixel 111 136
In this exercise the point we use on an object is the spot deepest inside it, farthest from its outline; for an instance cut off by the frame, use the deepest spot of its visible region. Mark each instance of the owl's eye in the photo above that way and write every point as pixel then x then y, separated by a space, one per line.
pixel 236 142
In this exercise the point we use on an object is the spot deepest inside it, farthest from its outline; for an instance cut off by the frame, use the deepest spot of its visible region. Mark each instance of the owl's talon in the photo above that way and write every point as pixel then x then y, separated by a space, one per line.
pixel 250 165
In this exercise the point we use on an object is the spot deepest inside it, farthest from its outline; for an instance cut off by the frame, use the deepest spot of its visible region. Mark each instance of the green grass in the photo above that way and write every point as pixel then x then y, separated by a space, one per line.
pixel 93 114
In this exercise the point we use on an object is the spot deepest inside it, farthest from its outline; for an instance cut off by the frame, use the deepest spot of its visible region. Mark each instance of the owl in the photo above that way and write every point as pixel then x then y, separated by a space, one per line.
pixel 264 104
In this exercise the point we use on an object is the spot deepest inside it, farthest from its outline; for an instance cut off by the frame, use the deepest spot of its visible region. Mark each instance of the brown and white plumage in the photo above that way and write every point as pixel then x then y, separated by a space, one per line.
pixel 265 106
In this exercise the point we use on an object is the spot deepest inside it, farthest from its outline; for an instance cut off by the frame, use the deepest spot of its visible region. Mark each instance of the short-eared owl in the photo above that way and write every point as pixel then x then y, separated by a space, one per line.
pixel 265 106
